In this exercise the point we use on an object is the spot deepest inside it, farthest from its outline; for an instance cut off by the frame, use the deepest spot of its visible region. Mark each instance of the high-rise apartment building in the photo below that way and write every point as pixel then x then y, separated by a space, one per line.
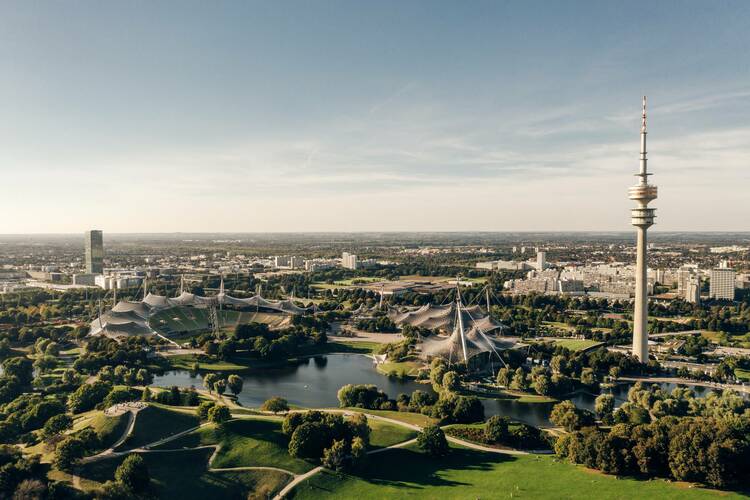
pixel 541 260
pixel 693 290
pixel 349 260
pixel 94 252
pixel 721 284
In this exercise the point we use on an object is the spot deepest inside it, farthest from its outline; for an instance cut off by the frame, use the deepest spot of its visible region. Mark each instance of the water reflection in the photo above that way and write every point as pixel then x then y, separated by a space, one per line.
pixel 314 382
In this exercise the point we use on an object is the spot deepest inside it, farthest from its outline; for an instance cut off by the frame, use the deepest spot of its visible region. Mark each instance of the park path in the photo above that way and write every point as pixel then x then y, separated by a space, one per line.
pixel 296 478
pixel 110 452
pixel 300 478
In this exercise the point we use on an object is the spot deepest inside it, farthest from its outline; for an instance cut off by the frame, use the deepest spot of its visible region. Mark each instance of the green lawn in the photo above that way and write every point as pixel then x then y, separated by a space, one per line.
pixel 186 361
pixel 401 416
pixel 576 344
pixel 245 443
pixel 401 369
pixel 183 475
pixel 468 474
pixel 384 434
pixel 109 429
pixel 155 423
pixel 353 347
pixel 742 374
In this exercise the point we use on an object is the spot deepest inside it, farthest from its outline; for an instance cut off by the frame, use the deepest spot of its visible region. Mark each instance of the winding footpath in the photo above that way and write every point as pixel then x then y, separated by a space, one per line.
pixel 296 478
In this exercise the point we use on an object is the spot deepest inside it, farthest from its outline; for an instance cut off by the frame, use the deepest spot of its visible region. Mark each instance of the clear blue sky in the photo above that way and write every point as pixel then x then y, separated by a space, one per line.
pixel 147 116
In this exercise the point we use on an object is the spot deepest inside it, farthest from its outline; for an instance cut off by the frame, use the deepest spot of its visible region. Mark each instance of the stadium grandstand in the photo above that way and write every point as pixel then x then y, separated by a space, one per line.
pixel 163 316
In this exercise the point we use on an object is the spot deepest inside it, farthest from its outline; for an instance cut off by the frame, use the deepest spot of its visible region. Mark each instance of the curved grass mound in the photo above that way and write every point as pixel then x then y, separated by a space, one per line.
pixel 154 423
pixel 109 429
pixel 245 443
pixel 464 473
pixel 184 475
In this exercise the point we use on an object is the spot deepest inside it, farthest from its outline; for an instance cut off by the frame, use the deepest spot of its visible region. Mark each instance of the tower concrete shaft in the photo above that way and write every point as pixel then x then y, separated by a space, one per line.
pixel 642 218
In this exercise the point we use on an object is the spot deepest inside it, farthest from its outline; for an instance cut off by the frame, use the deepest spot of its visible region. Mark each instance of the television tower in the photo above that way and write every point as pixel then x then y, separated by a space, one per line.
pixel 642 218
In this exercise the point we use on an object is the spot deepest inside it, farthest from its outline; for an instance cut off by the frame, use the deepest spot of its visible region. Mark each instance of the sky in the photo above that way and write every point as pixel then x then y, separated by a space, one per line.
pixel 236 116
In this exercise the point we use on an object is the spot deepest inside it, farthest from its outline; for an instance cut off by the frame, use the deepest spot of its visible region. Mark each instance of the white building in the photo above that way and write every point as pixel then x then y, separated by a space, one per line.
pixel 721 285
pixel 541 261
pixel 85 279
pixel 349 260
pixel 693 290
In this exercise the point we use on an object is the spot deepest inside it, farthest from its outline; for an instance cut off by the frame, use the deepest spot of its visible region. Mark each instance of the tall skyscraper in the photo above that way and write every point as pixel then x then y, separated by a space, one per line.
pixel 642 218
pixel 94 252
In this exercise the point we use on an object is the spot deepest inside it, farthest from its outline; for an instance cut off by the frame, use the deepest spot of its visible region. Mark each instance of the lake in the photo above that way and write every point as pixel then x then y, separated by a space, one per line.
pixel 314 382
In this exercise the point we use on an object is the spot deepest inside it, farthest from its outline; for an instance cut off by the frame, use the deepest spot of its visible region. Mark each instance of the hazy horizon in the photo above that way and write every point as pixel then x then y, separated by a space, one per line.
pixel 319 117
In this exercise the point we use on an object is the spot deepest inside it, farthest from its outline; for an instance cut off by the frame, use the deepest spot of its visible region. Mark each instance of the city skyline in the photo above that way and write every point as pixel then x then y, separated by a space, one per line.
pixel 244 119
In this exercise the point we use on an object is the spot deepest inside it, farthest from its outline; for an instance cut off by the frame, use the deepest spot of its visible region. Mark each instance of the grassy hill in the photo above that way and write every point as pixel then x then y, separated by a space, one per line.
pixel 407 473
pixel 184 475
pixel 154 423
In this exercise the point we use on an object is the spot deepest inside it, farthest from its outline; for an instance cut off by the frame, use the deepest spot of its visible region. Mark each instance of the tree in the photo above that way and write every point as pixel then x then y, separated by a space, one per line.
pixel 68 453
pixel 21 368
pixel 451 382
pixel 604 405
pixel 275 405
pixel 309 440
pixel 234 382
pixel 358 452
pixel 88 395
pixel 504 377
pixel 133 474
pixel 209 380
pixel 468 410
pixel 565 415
pixel 519 380
pixel 437 371
pixel 559 364
pixel 542 385
pixel 143 377
pixel 496 429
pixel 220 386
pixel 56 425
pixel 359 427
pixel 203 409
pixel 335 457
pixel 30 489
pixel 588 377
pixel 219 415
pixel 432 441
pixel 146 394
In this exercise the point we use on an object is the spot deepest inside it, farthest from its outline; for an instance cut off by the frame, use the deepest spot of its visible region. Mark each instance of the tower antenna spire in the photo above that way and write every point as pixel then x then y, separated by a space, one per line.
pixel 642 218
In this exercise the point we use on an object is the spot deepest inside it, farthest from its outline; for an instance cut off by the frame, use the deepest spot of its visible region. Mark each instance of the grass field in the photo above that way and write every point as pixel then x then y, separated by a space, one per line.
pixel 245 443
pixel 186 361
pixel 384 434
pixel 184 475
pixel 109 429
pixel 353 347
pixel 401 369
pixel 401 416
pixel 576 344
pixel 155 423
pixel 742 374
pixel 468 474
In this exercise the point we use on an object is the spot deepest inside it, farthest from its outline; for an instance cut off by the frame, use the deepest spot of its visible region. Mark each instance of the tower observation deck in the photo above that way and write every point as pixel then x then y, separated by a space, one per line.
pixel 642 218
